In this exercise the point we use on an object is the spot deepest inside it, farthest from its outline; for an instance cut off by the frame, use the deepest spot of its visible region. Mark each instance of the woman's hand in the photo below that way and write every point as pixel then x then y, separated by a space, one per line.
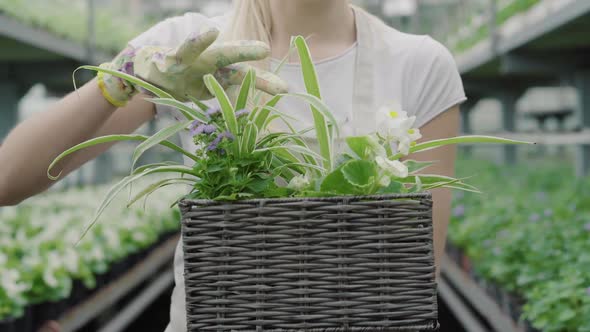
pixel 180 70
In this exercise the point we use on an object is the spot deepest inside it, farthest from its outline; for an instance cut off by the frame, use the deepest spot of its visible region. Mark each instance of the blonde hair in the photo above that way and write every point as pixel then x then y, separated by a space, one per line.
pixel 250 21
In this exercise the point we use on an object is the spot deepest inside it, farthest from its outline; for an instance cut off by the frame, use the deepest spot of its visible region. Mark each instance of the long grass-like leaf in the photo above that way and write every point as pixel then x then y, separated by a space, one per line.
pixel 430 179
pixel 204 107
pixel 146 167
pixel 155 139
pixel 110 139
pixel 189 112
pixel 323 132
pixel 249 137
pixel 114 190
pixel 304 165
pixel 294 148
pixel 261 115
pixel 157 185
pixel 229 115
pixel 459 140
pixel 247 83
pixel 319 106
pixel 132 79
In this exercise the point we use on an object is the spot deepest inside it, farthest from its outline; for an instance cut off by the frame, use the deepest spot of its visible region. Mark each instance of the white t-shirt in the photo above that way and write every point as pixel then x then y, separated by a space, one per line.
pixel 413 71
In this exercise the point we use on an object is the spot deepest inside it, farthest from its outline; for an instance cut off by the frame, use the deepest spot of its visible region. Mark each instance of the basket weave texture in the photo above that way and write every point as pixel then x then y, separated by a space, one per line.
pixel 316 264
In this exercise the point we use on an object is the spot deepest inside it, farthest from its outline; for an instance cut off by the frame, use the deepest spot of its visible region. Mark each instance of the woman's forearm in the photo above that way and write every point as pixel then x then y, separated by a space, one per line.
pixel 32 145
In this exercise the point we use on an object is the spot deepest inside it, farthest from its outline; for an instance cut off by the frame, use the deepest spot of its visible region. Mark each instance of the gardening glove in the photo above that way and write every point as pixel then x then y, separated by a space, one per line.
pixel 180 70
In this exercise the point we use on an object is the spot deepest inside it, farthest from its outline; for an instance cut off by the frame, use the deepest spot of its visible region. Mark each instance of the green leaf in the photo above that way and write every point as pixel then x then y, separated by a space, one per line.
pixel 566 314
pixel 335 182
pixel 115 189
pixel 156 139
pixel 394 187
pixel 431 179
pixel 360 173
pixel 229 115
pixel 319 107
pixel 323 132
pixel 260 115
pixel 307 67
pixel 110 139
pixel 249 138
pixel 189 112
pixel 417 166
pixel 157 185
pixel 132 79
pixel 365 147
pixel 245 88
pixel 204 107
pixel 146 167
pixel 458 140
pixel 294 148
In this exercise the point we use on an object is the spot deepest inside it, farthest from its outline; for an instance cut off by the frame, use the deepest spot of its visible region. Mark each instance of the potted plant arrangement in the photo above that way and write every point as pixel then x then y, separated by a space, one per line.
pixel 278 235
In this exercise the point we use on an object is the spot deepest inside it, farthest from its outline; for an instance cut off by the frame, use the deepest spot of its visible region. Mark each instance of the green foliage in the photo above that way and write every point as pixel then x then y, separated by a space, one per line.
pixel 238 156
pixel 530 233
pixel 69 19
pixel 478 30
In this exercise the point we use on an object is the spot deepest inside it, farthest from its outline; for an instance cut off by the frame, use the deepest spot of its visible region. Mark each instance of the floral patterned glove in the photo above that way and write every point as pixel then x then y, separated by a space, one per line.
pixel 180 70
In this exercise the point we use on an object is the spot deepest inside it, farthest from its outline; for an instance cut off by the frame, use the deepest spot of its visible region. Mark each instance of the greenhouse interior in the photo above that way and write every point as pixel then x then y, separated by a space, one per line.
pixel 204 216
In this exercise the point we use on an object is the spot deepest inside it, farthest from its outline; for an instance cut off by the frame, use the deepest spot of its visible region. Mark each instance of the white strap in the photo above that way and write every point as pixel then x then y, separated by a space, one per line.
pixel 363 108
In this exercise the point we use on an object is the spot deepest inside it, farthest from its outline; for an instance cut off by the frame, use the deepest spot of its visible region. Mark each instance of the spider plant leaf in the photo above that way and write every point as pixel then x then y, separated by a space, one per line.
pixel 247 83
pixel 189 112
pixel 131 79
pixel 111 139
pixel 156 139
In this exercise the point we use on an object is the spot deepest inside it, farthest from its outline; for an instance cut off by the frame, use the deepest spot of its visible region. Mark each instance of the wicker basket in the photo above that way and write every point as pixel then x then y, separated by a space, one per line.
pixel 315 264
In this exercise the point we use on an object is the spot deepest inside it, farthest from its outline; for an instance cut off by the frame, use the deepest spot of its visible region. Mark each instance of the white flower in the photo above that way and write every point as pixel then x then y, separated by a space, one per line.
pixel 3 259
pixel 393 167
pixel 396 126
pixel 10 282
pixel 71 260
pixel 298 183
pixel 49 278
pixel 414 134
pixel 403 146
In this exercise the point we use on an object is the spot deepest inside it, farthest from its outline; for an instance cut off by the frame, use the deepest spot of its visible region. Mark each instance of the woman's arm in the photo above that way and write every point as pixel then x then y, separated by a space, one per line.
pixel 29 149
pixel 443 126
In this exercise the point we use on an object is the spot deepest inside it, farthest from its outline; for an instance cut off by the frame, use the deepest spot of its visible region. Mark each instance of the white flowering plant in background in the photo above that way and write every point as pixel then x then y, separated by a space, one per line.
pixel 38 261
pixel 240 157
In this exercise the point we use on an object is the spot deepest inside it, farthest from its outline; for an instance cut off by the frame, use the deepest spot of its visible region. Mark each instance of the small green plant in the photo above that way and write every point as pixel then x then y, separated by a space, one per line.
pixel 532 238
pixel 240 157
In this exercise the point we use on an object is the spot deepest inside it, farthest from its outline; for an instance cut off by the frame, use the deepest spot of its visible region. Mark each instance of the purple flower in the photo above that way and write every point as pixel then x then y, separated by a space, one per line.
pixel 548 212
pixel 241 113
pixel 209 129
pixel 218 140
pixel 587 227
pixel 203 129
pixel 588 291
pixel 534 217
pixel 459 211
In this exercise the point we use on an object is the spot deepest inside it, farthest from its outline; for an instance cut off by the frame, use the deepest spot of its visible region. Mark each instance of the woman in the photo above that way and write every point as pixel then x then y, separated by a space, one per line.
pixel 362 64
